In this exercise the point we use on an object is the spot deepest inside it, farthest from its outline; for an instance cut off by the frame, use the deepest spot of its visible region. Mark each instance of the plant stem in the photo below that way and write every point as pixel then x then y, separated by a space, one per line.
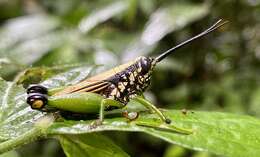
pixel 21 140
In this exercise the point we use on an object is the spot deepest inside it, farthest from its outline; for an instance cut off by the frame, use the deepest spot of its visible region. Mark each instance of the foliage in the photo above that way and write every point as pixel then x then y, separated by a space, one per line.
pixel 218 73
pixel 215 132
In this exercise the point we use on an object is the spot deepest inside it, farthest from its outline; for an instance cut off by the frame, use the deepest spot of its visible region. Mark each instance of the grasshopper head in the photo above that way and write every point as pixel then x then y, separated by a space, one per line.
pixel 145 65
pixel 144 68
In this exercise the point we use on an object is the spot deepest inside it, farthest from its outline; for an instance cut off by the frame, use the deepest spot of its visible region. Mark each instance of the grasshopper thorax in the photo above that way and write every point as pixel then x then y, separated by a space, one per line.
pixel 130 81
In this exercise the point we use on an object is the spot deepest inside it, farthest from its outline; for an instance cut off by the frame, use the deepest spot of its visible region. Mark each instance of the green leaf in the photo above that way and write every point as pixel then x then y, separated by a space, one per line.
pixel 10 154
pixel 101 15
pixel 15 116
pixel 175 151
pixel 71 76
pixel 21 42
pixel 219 133
pixel 171 18
pixel 88 145
pixel 16 30
pixel 19 124
pixel 162 22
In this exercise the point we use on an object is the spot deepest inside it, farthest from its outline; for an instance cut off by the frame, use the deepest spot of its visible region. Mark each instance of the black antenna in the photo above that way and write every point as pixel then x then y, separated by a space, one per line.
pixel 215 26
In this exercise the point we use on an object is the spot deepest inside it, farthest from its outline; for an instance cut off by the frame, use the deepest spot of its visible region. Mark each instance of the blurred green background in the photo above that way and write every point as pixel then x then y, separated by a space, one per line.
pixel 217 73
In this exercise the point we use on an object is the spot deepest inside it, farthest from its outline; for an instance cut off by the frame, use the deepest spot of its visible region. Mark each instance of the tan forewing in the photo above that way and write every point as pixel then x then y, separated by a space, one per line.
pixel 95 83
pixel 88 87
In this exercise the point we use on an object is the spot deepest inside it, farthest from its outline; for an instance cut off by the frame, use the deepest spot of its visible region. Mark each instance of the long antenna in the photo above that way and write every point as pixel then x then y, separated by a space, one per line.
pixel 215 26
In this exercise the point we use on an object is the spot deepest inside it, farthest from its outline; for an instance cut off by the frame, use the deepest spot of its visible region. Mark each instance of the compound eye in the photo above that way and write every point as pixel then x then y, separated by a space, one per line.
pixel 36 88
pixel 37 101
pixel 145 65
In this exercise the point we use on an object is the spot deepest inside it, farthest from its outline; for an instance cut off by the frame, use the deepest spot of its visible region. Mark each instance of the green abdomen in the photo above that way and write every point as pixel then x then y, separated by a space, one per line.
pixel 78 102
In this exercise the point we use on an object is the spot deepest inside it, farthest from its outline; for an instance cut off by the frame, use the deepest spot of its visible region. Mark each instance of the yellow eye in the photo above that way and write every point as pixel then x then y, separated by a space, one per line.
pixel 37 104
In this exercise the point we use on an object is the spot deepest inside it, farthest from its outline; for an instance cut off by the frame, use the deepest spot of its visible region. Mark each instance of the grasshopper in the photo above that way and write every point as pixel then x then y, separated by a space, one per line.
pixel 108 90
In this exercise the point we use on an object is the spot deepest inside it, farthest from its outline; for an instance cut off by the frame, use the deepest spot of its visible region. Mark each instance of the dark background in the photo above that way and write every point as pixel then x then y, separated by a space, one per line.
pixel 217 73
